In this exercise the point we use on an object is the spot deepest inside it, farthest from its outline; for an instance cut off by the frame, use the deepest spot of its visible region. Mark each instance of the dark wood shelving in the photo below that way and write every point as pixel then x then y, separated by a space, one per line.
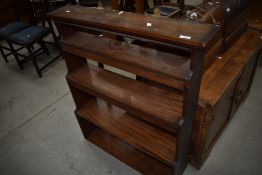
pixel 157 106
pixel 201 35
pixel 141 61
pixel 128 154
pixel 146 123
pixel 162 119
pixel 143 136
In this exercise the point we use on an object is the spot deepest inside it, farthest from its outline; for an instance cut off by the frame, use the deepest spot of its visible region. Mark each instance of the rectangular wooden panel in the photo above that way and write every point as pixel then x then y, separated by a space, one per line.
pixel 154 61
pixel 128 154
pixel 135 132
pixel 157 106
pixel 139 25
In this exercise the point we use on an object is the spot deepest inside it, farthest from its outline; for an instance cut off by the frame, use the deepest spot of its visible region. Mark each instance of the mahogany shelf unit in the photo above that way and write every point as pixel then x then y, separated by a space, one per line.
pixel 133 120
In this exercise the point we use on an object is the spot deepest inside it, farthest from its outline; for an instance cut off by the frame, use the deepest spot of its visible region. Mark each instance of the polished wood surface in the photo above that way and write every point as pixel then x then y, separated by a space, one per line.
pixel 157 106
pixel 136 25
pixel 231 63
pixel 127 153
pixel 141 61
pixel 170 110
pixel 116 121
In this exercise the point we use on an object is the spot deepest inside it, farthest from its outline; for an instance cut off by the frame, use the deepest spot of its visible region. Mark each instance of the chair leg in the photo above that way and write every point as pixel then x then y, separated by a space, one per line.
pixel 43 46
pixel 101 65
pixel 38 71
pixel 43 23
pixel 3 54
pixel 13 51
pixel 56 38
pixel 260 59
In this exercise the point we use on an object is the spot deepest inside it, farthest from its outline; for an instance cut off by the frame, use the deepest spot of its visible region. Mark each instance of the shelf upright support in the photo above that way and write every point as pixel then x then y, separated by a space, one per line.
pixel 191 96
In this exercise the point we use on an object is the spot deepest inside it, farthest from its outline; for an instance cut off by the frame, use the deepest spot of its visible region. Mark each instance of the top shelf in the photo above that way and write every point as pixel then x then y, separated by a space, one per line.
pixel 183 33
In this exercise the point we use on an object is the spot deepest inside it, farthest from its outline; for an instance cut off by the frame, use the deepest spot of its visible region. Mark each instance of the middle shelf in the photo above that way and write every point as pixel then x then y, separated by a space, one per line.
pixel 152 104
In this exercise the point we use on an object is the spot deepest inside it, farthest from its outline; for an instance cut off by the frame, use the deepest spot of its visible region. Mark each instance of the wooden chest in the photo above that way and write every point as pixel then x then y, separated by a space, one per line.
pixel 224 86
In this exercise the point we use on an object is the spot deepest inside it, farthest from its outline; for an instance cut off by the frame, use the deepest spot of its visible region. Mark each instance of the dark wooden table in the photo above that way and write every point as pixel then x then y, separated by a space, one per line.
pixel 255 20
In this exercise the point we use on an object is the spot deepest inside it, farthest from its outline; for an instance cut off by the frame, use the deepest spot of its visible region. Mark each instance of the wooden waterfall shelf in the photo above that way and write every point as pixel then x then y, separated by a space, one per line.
pixel 201 35
pixel 146 123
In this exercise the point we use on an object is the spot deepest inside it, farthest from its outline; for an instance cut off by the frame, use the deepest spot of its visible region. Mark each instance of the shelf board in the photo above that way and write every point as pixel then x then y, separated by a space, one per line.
pixel 157 106
pixel 145 137
pixel 162 29
pixel 128 154
pixel 166 68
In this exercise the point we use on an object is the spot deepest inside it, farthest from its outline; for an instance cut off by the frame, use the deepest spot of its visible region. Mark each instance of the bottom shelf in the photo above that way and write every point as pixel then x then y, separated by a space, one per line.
pixel 127 154
pixel 141 135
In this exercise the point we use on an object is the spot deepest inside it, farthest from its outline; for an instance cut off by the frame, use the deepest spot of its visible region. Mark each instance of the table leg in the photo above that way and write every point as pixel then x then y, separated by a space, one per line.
pixel 140 6
pixel 114 4
pixel 181 4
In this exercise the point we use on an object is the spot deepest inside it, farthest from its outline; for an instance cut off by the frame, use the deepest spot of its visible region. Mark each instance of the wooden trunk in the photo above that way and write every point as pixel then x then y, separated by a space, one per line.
pixel 224 86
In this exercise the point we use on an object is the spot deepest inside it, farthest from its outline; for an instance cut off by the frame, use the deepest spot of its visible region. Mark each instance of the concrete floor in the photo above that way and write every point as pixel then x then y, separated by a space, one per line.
pixel 39 134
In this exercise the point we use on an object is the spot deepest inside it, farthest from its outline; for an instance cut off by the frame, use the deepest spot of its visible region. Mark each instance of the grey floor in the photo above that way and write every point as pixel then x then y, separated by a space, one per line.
pixel 39 134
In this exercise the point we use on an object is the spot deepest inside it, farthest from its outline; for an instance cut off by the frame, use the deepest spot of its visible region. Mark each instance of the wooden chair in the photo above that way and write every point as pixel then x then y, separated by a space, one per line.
pixel 3 54
pixel 32 35
pixel 7 31
pixel 27 38
pixel 38 10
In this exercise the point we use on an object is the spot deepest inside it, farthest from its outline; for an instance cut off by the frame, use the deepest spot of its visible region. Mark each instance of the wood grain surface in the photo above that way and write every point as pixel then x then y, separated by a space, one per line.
pixel 135 132
pixel 161 29
pixel 157 106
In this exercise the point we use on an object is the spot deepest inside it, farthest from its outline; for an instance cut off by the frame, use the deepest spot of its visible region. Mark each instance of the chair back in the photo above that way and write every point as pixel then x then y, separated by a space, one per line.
pixel 30 11
pixel 39 8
